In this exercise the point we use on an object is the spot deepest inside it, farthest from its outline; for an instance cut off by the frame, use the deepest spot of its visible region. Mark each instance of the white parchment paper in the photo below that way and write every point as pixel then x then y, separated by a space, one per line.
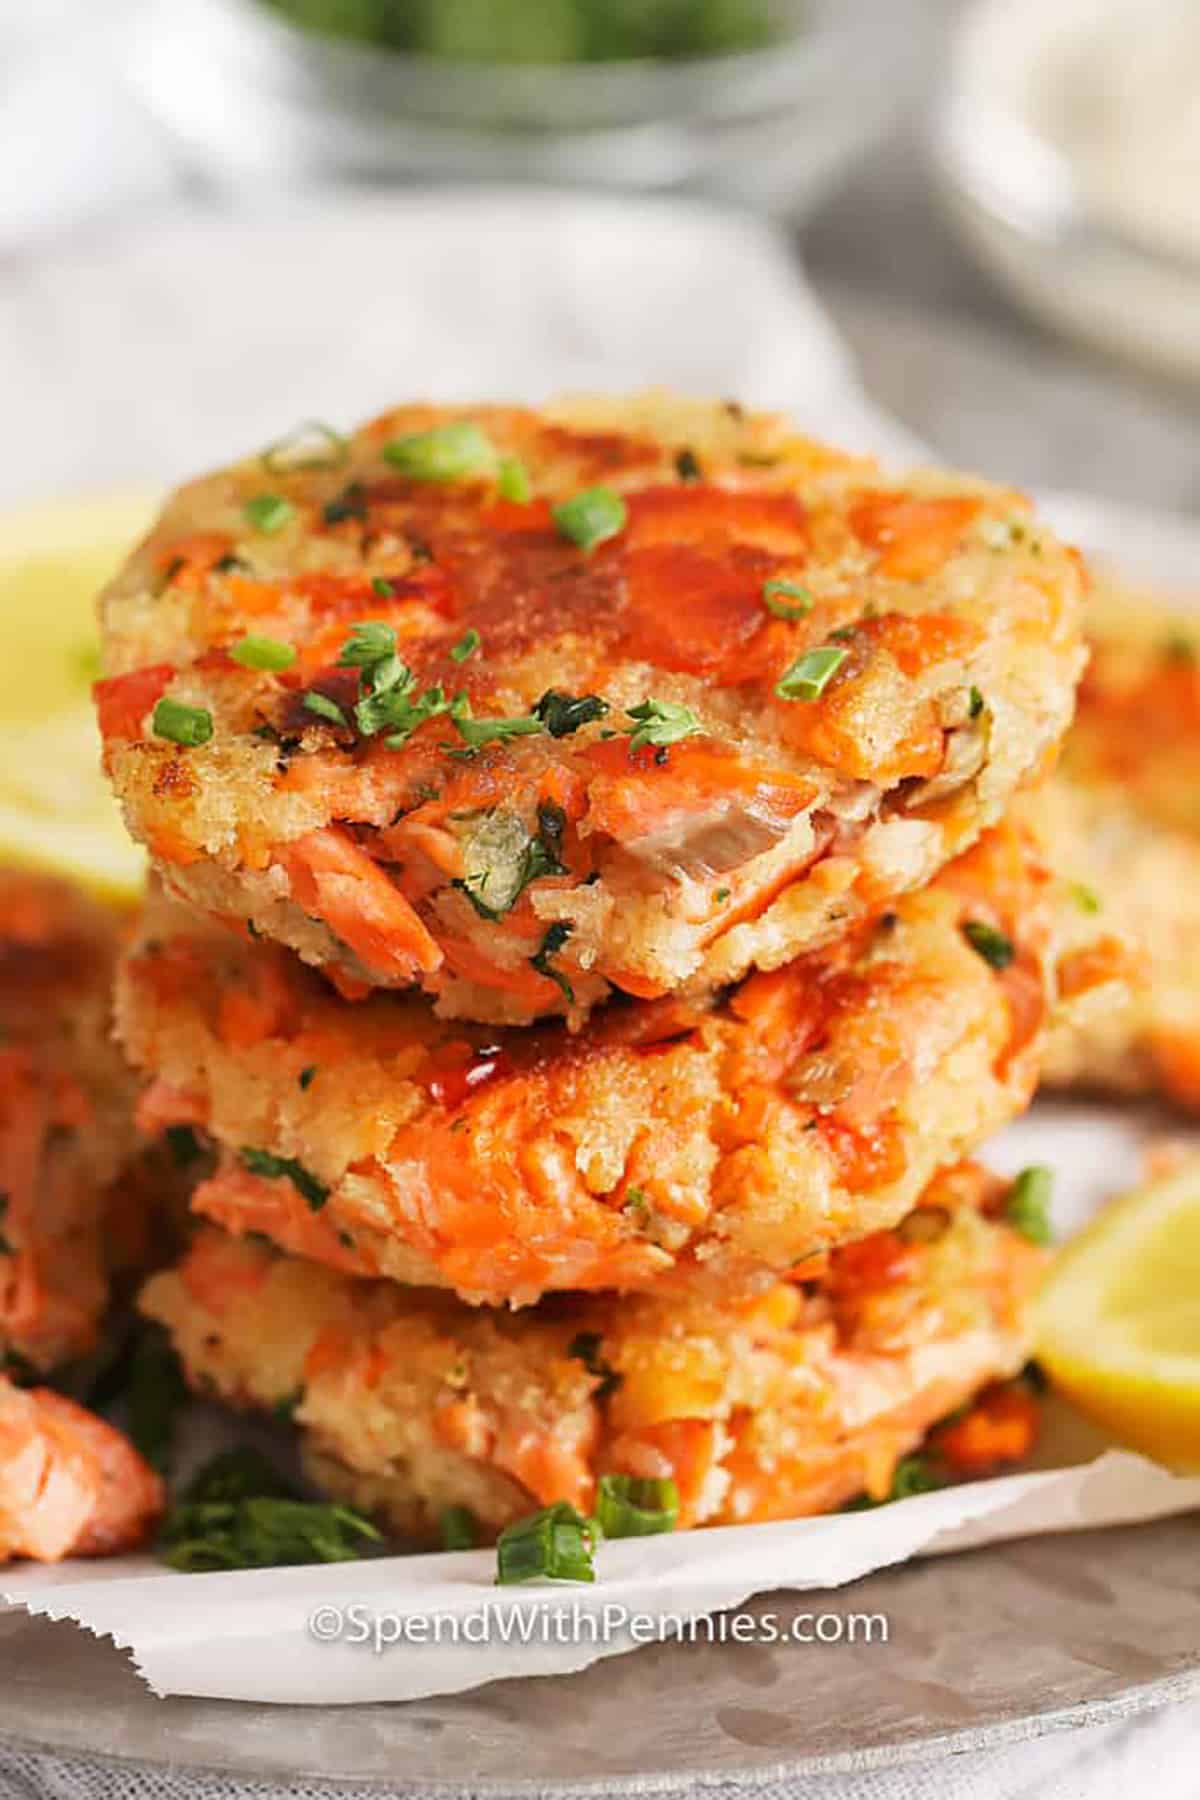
pixel 397 1628
pixel 229 333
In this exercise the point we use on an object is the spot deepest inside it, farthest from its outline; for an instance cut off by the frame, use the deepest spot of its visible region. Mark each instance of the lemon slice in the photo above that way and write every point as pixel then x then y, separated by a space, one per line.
pixel 1119 1319
pixel 56 810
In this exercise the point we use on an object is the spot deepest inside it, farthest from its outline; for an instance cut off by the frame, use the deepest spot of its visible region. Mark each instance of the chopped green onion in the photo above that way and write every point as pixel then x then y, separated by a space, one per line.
pixel 912 1475
pixel 325 708
pixel 269 513
pixel 492 731
pixel 996 949
pixel 787 599
pixel 687 466
pixel 512 481
pixel 636 1506
pixel 275 1168
pixel 1027 1207
pixel 382 586
pixel 180 724
pixel 466 646
pixel 312 445
pixel 590 517
pixel 811 673
pixel 555 1544
pixel 661 722
pixel 446 453
pixel 458 1527
pixel 263 653
pixel 563 714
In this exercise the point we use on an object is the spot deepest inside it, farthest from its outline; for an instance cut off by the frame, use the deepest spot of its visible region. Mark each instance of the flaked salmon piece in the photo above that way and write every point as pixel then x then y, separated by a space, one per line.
pixel 71 1189
pixel 786 1400
pixel 634 673
pixel 1124 813
pixel 669 1143
pixel 70 1484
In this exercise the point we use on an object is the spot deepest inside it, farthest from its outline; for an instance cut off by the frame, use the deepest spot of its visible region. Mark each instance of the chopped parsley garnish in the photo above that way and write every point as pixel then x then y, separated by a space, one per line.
pixel 811 673
pixel 458 1528
pixel 585 1347
pixel 687 466
pixel 556 936
pixel 268 513
pixel 155 1395
pixel 447 453
pixel 382 586
pixel 563 714
pixel 636 1505
pixel 313 445
pixel 1027 1207
pixel 1086 898
pixel 351 503
pixel 307 1077
pixel 787 599
pixel 278 1168
pixel 466 646
pixel 325 708
pixel 512 481
pixel 555 1544
pixel 239 1513
pixel 661 722
pixel 183 1144
pixel 974 703
pixel 265 653
pixel 996 949
pixel 590 517
pixel 180 724
pixel 370 642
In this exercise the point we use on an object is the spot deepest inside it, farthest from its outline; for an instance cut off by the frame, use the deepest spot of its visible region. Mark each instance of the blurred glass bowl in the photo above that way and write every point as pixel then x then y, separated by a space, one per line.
pixel 1003 148
pixel 248 95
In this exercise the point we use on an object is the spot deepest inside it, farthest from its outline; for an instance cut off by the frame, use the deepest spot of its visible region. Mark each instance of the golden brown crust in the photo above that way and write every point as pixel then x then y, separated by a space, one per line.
pixel 784 1403
pixel 810 1105
pixel 773 823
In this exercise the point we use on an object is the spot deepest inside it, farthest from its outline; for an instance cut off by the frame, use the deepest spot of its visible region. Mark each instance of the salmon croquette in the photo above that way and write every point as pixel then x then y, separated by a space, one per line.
pixel 72 1209
pixel 773 1406
pixel 525 707
pixel 803 1107
pixel 70 1485
pixel 1124 815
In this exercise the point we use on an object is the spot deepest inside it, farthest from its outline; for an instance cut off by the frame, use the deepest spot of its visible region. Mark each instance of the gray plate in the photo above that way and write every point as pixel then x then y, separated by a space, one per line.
pixel 985 1648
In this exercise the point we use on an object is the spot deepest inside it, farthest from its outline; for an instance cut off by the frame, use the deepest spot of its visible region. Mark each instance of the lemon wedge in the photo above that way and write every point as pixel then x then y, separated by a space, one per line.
pixel 56 810
pixel 1119 1319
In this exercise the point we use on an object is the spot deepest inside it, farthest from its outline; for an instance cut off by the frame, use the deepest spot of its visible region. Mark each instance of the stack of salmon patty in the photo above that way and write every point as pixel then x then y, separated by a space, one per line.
pixel 589 930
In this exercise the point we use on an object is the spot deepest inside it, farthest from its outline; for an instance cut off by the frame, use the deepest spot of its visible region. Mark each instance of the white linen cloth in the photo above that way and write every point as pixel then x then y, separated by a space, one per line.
pixel 195 341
